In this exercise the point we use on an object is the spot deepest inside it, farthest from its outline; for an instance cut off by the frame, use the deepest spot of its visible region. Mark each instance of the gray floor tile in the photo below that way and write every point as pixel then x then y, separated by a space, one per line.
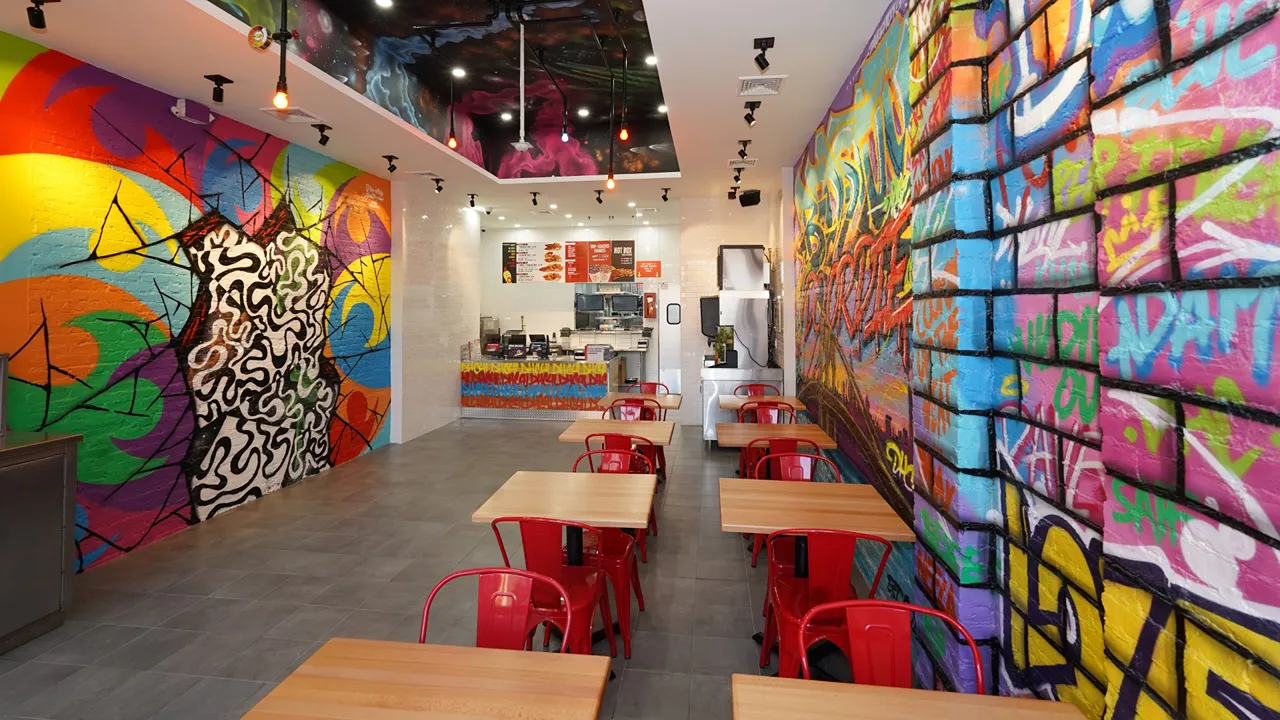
pixel 206 654
pixel 31 679
pixel 153 610
pixel 310 622
pixel 149 649
pixel 252 586
pixel 7 665
pixel 48 641
pixel 645 694
pixel 100 605
pixel 68 696
pixel 719 569
pixel 377 568
pixel 138 698
pixel 93 644
pixel 206 614
pixel 675 618
pixel 299 589
pixel 257 618
pixel 710 698
pixel 370 624
pixel 266 660
pixel 666 653
pixel 213 699
pixel 732 593
pixel 204 583
pixel 724 620
pixel 348 593
pixel 724 656
pixel 399 597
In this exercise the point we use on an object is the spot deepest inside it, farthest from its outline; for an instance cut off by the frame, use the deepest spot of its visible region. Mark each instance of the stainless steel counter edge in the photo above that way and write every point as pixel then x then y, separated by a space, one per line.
pixel 745 374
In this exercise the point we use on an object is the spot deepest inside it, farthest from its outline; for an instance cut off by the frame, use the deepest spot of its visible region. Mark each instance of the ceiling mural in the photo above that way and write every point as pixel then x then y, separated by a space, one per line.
pixel 402 58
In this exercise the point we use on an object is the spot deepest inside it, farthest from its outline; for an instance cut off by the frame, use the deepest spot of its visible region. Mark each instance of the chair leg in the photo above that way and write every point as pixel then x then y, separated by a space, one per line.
pixel 546 635
pixel 653 521
pixel 644 551
pixel 766 646
pixel 635 582
pixel 756 544
pixel 608 624
pixel 621 579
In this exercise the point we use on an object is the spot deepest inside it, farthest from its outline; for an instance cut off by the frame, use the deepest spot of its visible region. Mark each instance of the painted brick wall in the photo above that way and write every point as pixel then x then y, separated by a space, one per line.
pixel 207 304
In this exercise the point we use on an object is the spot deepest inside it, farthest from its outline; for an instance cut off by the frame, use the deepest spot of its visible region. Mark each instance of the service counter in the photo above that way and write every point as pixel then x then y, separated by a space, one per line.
pixel 555 389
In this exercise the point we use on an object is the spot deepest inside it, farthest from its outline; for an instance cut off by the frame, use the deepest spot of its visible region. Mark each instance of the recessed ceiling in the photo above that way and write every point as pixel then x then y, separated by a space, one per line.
pixel 403 57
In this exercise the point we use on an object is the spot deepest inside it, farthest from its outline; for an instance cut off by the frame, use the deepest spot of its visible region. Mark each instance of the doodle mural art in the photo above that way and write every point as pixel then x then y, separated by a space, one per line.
pixel 206 304
pixel 1094 410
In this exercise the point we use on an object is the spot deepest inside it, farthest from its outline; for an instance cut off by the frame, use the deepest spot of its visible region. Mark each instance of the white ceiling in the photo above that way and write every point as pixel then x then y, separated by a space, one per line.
pixel 703 47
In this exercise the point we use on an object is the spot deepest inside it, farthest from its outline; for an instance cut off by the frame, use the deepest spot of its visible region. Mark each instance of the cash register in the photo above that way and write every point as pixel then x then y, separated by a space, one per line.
pixel 516 348
pixel 539 346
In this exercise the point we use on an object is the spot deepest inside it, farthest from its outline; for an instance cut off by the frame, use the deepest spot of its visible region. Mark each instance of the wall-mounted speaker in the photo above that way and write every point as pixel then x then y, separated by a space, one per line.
pixel 749 197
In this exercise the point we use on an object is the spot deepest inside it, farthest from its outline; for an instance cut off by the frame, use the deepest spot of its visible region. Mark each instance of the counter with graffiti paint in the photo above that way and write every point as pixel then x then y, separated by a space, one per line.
pixel 551 389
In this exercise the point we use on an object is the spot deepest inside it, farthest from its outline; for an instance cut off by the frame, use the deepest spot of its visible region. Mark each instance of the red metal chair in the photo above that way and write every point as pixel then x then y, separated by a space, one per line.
pixel 830 565
pixel 766 412
pixel 632 409
pixel 759 447
pixel 650 388
pixel 616 549
pixel 505 616
pixel 651 452
pixel 794 467
pixel 756 389
pixel 544 554
pixel 877 640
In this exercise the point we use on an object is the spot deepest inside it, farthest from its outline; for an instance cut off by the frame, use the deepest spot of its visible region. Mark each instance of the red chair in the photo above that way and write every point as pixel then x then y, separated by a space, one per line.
pixel 544 554
pixel 766 412
pixel 650 388
pixel 830 565
pixel 878 639
pixel 505 616
pixel 756 389
pixel 775 445
pixel 651 452
pixel 616 549
pixel 793 467
pixel 632 409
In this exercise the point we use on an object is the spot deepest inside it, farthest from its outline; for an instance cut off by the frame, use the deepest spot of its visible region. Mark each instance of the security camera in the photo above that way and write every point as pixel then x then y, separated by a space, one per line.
pixel 488 211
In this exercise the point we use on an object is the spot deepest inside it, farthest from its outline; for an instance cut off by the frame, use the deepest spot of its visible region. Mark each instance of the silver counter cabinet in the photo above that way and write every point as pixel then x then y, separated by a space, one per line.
pixel 722 381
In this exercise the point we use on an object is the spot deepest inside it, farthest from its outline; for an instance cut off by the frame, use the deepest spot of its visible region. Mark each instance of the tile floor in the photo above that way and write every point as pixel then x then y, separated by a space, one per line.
pixel 202 624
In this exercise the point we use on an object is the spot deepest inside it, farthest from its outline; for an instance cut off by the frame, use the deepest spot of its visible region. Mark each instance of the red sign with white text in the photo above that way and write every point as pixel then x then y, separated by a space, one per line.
pixel 577 262
pixel 648 268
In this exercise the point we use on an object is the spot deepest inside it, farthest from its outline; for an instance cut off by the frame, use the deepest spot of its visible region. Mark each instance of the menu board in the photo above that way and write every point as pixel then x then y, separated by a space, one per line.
pixel 574 262
pixel 648 268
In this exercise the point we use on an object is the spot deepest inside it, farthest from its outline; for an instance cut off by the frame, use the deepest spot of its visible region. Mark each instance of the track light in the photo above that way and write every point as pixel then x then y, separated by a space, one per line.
pixel 218 81
pixel 763 45
pixel 324 129
pixel 391 162
pixel 473 199
pixel 535 198
pixel 733 193
pixel 664 194
pixel 600 197
pixel 35 14
pixel 750 117
pixel 610 183
pixel 737 176
pixel 743 152
pixel 439 184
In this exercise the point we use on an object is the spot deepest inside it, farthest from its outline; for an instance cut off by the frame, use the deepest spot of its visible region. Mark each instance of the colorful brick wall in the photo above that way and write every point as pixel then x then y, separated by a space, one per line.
pixel 206 304
pixel 1094 252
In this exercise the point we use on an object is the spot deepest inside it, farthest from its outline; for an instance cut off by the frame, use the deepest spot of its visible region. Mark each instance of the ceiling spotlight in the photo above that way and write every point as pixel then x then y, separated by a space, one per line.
pixel 391 163
pixel 763 45
pixel 583 112
pixel 599 198
pixel 502 217
pixel 506 117
pixel 384 4
pixel 581 224
pixel 218 81
pixel 535 198
pixel 517 224
pixel 651 61
pixel 324 130
pixel 459 72
pixel 743 152
pixel 473 199
pixel 631 204
pixel 35 15
pixel 750 117
pixel 733 193
pixel 646 222
pixel 662 109
pixel 639 214
pixel 554 206
pixel 609 183
pixel 664 194
pixel 568 216
pixel 737 176
pixel 439 184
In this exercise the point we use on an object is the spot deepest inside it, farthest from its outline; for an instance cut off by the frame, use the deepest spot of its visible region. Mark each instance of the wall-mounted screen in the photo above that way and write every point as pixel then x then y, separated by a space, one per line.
pixel 587 303
pixel 626 303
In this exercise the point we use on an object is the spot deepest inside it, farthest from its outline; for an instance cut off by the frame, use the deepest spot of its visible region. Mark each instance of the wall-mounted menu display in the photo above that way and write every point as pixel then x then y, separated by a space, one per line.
pixel 574 262
pixel 533 262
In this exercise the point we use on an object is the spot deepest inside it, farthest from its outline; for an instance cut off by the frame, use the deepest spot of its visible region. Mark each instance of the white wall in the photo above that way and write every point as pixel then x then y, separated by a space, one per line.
pixel 435 303
pixel 705 225
pixel 547 307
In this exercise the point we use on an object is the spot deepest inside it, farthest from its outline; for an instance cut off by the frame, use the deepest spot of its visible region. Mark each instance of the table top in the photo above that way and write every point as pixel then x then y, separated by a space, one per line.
pixel 763 506
pixel 348 678
pixel 657 432
pixel 599 499
pixel 666 401
pixel 739 434
pixel 756 697
pixel 735 402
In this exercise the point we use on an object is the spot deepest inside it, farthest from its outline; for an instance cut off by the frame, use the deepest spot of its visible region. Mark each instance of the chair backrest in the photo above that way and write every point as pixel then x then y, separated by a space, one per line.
pixel 793 466
pixel 766 445
pixel 632 409
pixel 621 441
pixel 756 389
pixel 504 606
pixel 614 461
pixel 650 388
pixel 880 640
pixel 543 540
pixel 766 412
pixel 830 560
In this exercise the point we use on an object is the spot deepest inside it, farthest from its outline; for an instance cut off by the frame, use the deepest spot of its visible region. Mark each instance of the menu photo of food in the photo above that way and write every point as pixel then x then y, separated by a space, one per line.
pixel 539 262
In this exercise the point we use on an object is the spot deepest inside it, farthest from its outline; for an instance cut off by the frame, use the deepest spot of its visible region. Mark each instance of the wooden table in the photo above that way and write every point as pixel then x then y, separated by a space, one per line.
pixel 756 697
pixel 348 679
pixel 763 506
pixel 666 401
pixel 735 402
pixel 599 499
pixel 657 432
pixel 739 434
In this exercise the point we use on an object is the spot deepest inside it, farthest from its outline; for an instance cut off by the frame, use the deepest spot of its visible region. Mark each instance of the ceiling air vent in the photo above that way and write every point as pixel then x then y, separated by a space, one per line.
pixel 737 163
pixel 292 115
pixel 653 210
pixel 758 85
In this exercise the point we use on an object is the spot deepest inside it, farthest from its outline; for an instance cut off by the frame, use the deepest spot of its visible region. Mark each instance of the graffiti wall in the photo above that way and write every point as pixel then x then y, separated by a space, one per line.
pixel 1093 402
pixel 528 385
pixel 853 267
pixel 206 304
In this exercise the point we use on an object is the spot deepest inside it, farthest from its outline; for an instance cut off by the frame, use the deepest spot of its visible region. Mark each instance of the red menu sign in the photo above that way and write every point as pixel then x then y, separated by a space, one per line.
pixel 648 268
pixel 601 265
pixel 577 262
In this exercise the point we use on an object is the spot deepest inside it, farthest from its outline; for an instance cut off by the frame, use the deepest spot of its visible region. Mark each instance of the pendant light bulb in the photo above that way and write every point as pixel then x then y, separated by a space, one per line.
pixel 564 136
pixel 281 99
pixel 453 142
pixel 610 183
pixel 624 135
